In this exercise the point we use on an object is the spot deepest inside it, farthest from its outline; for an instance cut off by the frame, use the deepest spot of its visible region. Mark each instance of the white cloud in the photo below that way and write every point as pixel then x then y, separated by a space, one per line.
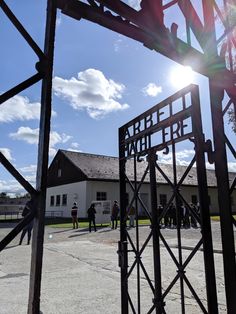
pixel 183 157
pixel 74 147
pixel 11 187
pixel 20 108
pixel 152 90
pixel 26 134
pixel 31 136
pixel 91 91
pixel 186 153
pixel 56 138
pixel 30 168
pixel 7 153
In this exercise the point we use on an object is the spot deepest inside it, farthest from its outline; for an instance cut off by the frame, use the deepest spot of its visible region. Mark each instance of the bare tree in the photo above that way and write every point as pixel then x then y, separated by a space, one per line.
pixel 228 48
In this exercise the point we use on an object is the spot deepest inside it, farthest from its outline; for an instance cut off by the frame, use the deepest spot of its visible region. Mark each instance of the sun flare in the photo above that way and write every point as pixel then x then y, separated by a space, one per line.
pixel 181 76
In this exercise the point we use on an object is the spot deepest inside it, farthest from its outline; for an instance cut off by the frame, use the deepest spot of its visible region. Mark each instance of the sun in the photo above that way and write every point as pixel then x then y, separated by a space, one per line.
pixel 181 76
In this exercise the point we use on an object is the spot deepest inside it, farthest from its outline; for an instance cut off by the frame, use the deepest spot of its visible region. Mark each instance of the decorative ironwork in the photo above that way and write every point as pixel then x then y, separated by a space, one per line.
pixel 133 132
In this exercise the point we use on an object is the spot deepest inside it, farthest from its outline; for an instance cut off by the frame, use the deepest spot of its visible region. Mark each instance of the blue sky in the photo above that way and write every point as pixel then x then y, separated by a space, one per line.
pixel 101 81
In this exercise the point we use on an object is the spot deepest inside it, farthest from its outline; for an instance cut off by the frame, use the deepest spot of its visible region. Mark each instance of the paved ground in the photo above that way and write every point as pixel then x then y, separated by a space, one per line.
pixel 81 273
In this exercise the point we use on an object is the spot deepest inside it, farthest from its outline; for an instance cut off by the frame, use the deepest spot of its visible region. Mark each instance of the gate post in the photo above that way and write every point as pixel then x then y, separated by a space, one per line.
pixel 123 236
pixel 204 205
pixel 42 168
pixel 220 158
pixel 221 170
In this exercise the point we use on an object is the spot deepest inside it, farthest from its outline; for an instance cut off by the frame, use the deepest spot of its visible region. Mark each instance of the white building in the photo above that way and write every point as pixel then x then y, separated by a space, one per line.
pixel 85 178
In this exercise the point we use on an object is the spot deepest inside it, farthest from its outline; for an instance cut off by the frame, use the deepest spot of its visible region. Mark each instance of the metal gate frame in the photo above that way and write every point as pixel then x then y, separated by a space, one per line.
pixel 130 136
pixel 146 26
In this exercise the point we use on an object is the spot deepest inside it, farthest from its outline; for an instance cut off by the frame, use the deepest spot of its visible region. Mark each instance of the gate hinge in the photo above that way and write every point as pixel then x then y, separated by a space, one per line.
pixel 210 153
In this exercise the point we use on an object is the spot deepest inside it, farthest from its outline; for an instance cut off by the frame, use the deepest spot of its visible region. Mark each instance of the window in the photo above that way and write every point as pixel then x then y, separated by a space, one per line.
pixel 52 200
pixel 194 199
pixel 64 199
pixel 163 199
pixel 58 200
pixel 101 196
pixel 59 173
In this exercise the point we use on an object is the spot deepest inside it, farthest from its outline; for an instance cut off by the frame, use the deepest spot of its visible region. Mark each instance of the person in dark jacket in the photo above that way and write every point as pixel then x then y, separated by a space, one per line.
pixel 114 214
pixel 74 216
pixel 91 217
pixel 28 228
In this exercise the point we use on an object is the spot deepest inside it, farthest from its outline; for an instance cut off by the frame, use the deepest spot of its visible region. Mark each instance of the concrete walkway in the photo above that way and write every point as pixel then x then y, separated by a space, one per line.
pixel 81 273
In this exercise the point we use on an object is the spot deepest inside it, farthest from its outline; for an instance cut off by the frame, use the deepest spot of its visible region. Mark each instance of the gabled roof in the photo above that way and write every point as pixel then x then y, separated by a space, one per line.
pixel 99 167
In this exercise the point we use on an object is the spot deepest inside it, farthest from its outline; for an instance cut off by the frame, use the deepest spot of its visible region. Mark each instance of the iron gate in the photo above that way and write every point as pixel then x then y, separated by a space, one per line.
pixel 146 26
pixel 140 142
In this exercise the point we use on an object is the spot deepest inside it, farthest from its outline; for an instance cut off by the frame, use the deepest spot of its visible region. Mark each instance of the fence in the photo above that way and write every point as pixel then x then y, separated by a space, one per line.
pixel 10 215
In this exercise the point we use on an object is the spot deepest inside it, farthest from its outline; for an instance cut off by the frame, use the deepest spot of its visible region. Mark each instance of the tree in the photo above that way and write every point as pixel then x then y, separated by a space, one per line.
pixel 4 195
pixel 228 48
pixel 232 119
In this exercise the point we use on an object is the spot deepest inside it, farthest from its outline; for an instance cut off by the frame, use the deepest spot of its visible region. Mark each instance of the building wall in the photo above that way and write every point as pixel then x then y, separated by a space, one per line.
pixel 84 193
pixel 111 188
pixel 76 192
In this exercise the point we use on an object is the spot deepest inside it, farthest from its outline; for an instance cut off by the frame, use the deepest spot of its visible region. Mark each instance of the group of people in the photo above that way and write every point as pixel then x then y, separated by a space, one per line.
pixel 91 212
pixel 91 216
pixel 187 216
pixel 115 210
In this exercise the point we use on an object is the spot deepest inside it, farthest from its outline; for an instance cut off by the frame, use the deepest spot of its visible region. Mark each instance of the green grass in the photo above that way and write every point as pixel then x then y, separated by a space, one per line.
pixel 217 218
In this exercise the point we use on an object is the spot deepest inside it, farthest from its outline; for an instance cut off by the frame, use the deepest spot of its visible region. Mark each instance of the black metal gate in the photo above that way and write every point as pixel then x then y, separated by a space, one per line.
pixel 141 140
pixel 215 60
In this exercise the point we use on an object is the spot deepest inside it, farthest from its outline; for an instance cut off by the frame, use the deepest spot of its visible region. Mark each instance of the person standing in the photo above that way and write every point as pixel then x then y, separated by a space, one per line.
pixel 131 214
pixel 28 228
pixel 91 217
pixel 74 216
pixel 114 214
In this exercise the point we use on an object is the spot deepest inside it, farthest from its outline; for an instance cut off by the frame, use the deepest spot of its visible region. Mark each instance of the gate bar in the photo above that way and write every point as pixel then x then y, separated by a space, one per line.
pixel 42 169
pixel 123 235
pixel 158 300
pixel 204 205
pixel 221 167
